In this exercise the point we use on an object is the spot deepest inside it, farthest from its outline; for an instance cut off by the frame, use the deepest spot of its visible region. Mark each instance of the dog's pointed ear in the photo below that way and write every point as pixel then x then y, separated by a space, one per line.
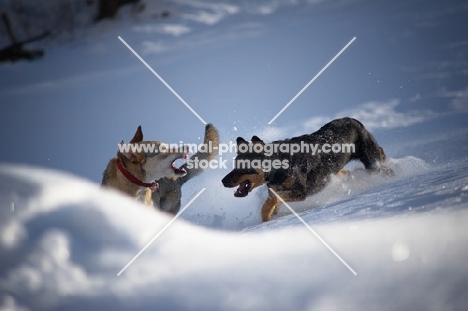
pixel 138 137
pixel 240 141
pixel 256 140
pixel 122 147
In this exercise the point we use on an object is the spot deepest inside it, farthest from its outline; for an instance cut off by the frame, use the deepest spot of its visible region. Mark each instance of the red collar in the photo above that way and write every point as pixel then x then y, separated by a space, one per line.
pixel 153 186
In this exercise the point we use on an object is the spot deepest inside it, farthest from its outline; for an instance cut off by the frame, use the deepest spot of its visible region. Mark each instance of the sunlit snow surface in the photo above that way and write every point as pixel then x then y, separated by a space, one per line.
pixel 237 63
pixel 63 241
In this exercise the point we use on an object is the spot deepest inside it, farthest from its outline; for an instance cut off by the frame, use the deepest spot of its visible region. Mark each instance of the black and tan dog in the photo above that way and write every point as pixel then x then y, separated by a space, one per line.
pixel 301 174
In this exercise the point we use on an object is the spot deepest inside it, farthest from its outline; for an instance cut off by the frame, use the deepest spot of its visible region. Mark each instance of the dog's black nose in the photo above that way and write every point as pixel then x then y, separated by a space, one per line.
pixel 227 182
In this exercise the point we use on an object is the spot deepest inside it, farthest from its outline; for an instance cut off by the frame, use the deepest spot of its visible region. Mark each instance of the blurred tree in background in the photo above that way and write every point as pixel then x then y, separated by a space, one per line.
pixel 57 21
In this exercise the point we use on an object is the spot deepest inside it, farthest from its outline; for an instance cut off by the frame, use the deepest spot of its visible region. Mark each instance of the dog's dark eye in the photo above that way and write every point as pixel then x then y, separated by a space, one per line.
pixel 248 171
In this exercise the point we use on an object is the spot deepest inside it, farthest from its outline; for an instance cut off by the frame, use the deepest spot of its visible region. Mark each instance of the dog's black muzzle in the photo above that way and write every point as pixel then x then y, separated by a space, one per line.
pixel 227 181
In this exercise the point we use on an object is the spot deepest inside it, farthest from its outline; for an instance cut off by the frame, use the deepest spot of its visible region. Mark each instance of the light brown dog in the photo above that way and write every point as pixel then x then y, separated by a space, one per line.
pixel 138 165
pixel 169 193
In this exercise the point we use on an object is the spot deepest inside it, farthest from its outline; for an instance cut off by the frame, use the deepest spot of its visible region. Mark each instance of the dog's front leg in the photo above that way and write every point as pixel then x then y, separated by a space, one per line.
pixel 269 206
pixel 272 202
pixel 148 200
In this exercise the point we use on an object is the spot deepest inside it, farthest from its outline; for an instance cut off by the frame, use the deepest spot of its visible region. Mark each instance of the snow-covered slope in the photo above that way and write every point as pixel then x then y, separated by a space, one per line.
pixel 63 241
pixel 221 210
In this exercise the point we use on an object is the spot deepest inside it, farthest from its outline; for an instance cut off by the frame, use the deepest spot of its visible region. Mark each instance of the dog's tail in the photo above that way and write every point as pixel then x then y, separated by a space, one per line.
pixel 211 135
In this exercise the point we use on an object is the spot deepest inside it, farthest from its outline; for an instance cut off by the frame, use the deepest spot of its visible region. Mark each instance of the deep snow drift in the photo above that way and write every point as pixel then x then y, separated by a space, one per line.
pixel 237 63
pixel 63 241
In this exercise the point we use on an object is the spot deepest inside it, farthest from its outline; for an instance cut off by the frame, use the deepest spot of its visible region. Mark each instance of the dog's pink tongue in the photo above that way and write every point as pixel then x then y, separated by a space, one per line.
pixel 242 190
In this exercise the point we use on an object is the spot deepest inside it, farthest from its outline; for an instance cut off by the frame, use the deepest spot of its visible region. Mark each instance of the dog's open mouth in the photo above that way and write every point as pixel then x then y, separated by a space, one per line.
pixel 243 189
pixel 179 171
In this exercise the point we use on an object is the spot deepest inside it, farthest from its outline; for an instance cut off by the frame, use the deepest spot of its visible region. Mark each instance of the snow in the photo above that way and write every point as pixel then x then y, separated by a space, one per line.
pixel 66 239
pixel 63 239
